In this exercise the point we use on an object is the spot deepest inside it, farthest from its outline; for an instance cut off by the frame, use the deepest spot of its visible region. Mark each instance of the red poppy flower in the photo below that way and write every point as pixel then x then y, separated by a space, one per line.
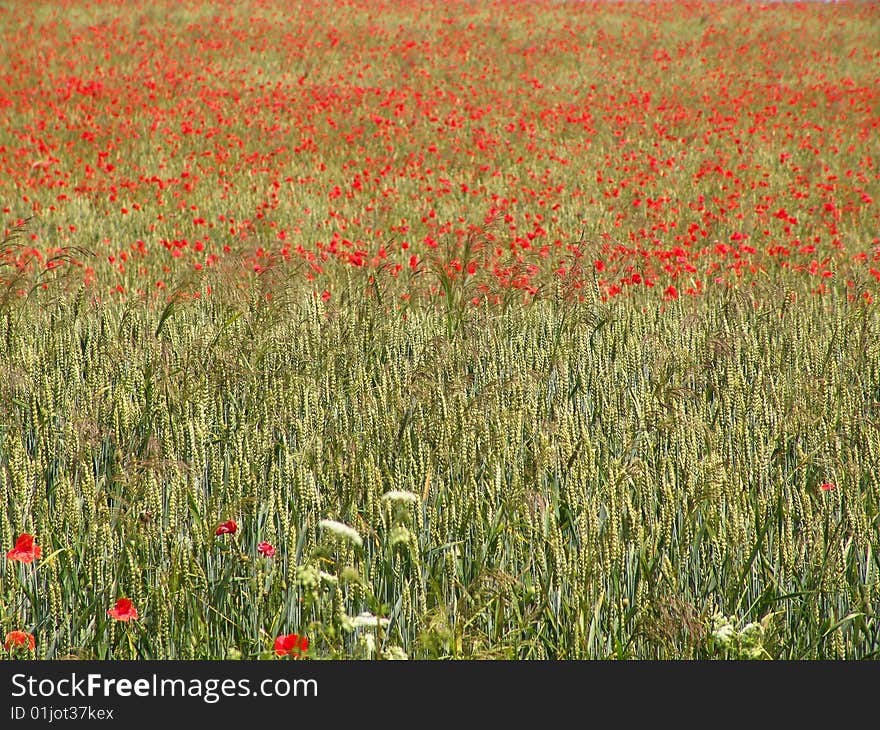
pixel 19 639
pixel 827 486
pixel 291 644
pixel 25 550
pixel 267 550
pixel 123 610
pixel 225 528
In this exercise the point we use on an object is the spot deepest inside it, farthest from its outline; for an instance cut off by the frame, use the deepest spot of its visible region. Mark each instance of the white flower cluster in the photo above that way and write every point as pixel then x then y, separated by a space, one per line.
pixel 366 619
pixel 744 643
pixel 398 495
pixel 343 531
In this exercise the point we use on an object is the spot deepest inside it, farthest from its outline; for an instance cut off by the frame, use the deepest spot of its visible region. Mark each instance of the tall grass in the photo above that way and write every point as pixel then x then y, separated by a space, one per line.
pixel 591 480
pixel 588 288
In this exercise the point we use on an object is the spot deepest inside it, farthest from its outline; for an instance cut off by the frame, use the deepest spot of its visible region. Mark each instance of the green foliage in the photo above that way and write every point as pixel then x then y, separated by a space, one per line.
pixel 533 471
pixel 560 480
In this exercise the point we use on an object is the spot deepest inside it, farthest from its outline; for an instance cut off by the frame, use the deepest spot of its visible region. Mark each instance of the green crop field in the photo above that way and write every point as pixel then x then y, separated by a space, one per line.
pixel 505 330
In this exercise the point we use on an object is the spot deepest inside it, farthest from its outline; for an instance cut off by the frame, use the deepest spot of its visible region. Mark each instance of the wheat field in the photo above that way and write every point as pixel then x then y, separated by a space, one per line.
pixel 481 331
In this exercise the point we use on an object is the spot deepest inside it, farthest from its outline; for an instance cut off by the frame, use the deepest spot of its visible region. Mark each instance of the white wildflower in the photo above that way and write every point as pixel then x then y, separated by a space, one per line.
pixel 724 630
pixel 398 495
pixel 366 619
pixel 342 530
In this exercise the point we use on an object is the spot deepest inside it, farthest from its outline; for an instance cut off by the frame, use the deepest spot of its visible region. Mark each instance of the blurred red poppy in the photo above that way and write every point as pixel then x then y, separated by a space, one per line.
pixel 225 528
pixel 123 610
pixel 19 639
pixel 291 645
pixel 25 550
